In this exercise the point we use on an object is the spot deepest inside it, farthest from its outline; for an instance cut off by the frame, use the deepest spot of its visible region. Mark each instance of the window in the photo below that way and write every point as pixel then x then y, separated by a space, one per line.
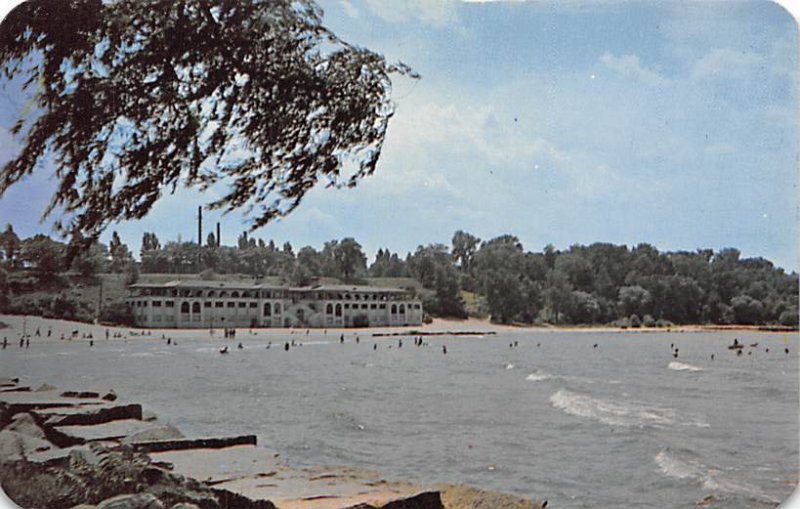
pixel 231 304
pixel 254 304
pixel 267 309
pixel 416 306
pixel 218 304
pixel 402 309
pixel 206 304
pixel 223 294
pixel 382 306
pixel 347 306
pixel 364 306
pixel 394 309
pixel 338 310
pixel 196 307
pixel 235 294
pixel 156 303
pixel 373 306
pixel 185 307
pixel 329 309
pixel 212 293
pixel 169 304
pixel 243 304
pixel 277 309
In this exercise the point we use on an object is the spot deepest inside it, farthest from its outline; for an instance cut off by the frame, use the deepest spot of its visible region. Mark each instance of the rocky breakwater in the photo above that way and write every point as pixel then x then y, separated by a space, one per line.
pixel 87 450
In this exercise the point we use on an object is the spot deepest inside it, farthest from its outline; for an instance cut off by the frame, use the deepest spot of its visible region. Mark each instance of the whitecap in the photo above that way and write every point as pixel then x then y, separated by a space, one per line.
pixel 509 366
pixel 680 366
pixel 682 466
pixel 611 412
pixel 538 376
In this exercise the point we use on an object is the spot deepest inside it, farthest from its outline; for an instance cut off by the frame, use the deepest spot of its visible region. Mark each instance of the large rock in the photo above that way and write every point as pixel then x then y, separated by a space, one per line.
pixel 26 425
pixel 184 505
pixel 16 446
pixel 137 501
pixel 165 432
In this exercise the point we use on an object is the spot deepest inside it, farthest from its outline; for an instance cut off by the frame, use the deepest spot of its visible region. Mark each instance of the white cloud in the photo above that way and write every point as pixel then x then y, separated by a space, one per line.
pixel 431 12
pixel 724 63
pixel 349 8
pixel 630 67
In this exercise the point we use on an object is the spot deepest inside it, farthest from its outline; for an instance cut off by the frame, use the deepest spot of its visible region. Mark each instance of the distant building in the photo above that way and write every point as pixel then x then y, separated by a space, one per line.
pixel 206 304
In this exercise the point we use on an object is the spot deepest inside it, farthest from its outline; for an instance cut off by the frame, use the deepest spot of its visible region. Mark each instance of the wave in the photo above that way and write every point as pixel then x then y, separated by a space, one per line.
pixel 509 366
pixel 614 413
pixel 685 466
pixel 538 376
pixel 680 366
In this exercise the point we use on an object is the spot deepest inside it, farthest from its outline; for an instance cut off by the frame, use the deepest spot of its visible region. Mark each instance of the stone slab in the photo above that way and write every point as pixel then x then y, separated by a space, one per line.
pixel 114 430
pixel 218 465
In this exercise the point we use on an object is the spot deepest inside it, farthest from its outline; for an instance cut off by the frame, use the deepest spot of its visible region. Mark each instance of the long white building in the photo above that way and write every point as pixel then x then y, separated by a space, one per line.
pixel 207 304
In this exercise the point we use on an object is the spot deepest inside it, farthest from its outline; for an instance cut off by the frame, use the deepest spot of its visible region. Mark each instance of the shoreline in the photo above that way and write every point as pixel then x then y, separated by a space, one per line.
pixel 12 327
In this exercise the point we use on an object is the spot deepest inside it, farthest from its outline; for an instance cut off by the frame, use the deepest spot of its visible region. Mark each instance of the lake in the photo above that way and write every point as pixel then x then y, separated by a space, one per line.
pixel 622 423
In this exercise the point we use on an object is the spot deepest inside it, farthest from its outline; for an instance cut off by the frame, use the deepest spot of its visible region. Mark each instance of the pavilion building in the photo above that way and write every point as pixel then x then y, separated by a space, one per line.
pixel 209 304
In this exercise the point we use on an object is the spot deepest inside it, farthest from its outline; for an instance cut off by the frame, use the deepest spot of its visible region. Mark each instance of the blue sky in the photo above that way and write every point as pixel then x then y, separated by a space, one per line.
pixel 672 123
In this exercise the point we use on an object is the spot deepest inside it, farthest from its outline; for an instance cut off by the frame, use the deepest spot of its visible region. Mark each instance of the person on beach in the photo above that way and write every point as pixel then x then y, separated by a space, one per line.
pixel 49 330
pixel 169 341
pixel 341 338
pixel 374 346
pixel 21 341
pixel 106 333
pixel 399 343
pixel 357 340
pixel 5 342
pixel 240 347
pixel 91 342
pixel 286 346
pixel 28 343
pixel 37 334
pixel 444 349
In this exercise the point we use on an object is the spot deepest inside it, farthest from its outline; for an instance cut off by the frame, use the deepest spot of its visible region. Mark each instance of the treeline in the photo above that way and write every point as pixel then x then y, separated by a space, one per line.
pixel 597 284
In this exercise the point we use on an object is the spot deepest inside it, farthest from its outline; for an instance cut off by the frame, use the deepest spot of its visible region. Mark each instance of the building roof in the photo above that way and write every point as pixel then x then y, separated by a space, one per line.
pixel 198 284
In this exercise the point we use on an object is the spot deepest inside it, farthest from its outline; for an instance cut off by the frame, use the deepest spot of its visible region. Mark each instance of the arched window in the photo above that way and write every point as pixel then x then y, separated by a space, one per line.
pixel 234 294
pixel 402 309
pixel 394 309
pixel 338 310
pixel 277 309
pixel 185 307
pixel 267 309
pixel 212 293
pixel 198 293
pixel 196 307
pixel 223 294
pixel 329 309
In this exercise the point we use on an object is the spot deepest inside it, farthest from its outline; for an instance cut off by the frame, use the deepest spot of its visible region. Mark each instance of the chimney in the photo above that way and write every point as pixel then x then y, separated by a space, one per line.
pixel 200 226
pixel 219 240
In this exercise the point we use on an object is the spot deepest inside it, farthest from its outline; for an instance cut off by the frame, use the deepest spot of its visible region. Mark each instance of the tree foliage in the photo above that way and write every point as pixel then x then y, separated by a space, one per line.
pixel 135 97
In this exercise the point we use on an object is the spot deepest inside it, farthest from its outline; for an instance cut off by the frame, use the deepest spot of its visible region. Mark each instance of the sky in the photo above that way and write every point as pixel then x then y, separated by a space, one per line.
pixel 672 123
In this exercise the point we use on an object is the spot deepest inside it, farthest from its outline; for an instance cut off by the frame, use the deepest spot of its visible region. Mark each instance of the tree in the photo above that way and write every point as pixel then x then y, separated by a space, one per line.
pixel 92 261
pixel 43 254
pixel 138 97
pixel 464 248
pixel 120 254
pixel 350 259
pixel 211 240
pixel 10 244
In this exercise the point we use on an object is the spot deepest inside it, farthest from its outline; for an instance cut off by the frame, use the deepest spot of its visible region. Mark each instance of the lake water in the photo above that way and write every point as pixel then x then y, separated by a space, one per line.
pixel 624 423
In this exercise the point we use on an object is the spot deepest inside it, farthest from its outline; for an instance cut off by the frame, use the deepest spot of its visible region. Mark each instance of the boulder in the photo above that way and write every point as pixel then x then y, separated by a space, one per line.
pixel 16 446
pixel 166 432
pixel 84 506
pixel 424 500
pixel 137 501
pixel 184 505
pixel 44 388
pixel 26 425
pixel 110 396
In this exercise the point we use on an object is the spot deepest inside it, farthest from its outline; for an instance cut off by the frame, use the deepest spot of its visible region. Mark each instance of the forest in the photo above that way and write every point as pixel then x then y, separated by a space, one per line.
pixel 601 283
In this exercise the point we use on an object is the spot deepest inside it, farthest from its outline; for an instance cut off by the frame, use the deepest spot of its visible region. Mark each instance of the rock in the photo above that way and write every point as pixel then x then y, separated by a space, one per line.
pixel 466 497
pixel 26 425
pixel 44 387
pixel 16 446
pixel 138 501
pixel 166 432
pixel 424 500
pixel 110 396
pixel 184 505
pixel 149 416
pixel 84 506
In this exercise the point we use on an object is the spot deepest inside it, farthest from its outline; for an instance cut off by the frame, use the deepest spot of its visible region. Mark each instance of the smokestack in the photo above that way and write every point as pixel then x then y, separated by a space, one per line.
pixel 219 241
pixel 200 226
